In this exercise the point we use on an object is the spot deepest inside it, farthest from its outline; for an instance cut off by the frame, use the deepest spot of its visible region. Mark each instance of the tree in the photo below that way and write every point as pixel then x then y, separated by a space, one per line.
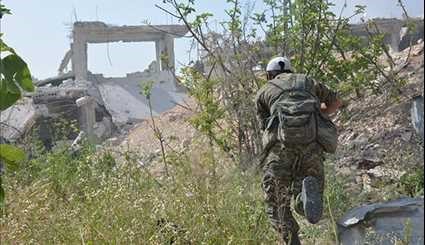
pixel 318 41
pixel 15 77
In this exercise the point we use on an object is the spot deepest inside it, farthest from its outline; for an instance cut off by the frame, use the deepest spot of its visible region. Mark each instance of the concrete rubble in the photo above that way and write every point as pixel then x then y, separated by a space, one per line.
pixel 101 104
pixel 395 31
pixel 417 114
pixel 384 223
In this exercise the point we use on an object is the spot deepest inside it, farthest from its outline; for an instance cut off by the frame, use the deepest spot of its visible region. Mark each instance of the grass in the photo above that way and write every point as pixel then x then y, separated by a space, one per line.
pixel 97 197
pixel 91 198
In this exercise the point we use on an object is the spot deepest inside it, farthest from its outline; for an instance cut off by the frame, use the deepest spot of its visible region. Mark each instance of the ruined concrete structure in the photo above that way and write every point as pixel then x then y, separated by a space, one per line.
pixel 101 104
pixel 394 30
pixel 98 32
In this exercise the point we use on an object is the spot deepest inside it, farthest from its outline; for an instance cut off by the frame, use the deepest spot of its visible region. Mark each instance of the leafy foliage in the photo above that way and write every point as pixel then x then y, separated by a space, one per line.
pixel 318 41
pixel 15 77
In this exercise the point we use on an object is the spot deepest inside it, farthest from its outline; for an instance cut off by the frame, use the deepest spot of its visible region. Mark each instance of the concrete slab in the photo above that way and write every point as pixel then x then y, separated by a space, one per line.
pixel 15 120
pixel 123 99
pixel 384 223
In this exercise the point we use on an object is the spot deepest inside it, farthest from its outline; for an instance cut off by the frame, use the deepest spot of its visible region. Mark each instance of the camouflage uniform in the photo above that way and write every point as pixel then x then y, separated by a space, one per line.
pixel 284 167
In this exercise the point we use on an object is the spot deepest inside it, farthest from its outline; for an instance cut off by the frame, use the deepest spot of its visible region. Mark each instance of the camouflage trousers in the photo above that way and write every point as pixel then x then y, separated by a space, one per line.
pixel 284 172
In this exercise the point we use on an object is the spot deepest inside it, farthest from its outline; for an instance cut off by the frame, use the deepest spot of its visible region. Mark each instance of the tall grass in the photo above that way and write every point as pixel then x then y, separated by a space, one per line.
pixel 97 197
pixel 91 198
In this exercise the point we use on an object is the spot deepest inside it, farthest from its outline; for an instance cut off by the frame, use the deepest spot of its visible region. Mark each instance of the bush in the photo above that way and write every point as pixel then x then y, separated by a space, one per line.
pixel 412 183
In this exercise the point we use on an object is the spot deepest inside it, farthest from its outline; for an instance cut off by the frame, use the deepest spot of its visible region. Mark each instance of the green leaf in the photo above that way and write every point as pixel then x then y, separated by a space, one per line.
pixel 4 10
pixel 11 155
pixel 5 48
pixel 15 69
pixel 9 94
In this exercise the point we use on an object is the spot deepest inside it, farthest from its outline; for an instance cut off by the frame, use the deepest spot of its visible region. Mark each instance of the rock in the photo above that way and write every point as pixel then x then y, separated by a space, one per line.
pixel 17 119
pixel 383 172
pixel 103 130
pixel 383 223
pixel 367 183
pixel 406 136
pixel 360 141
pixel 417 115
pixel 368 163
pixel 359 179
pixel 112 141
pixel 344 171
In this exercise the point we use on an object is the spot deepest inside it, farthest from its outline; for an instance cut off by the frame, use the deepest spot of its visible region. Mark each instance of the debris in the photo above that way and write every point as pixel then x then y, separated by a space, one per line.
pixel 87 118
pixel 360 141
pixel 406 136
pixel 395 32
pixel 384 223
pixel 76 144
pixel 54 94
pixel 123 99
pixel 417 115
pixel 97 101
pixel 17 119
pixel 385 172
pixel 103 129
pixel 55 81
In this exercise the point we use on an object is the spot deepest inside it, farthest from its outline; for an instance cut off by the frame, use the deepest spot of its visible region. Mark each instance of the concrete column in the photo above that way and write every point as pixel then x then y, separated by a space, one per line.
pixel 87 118
pixel 161 50
pixel 395 41
pixel 169 44
pixel 158 55
pixel 79 59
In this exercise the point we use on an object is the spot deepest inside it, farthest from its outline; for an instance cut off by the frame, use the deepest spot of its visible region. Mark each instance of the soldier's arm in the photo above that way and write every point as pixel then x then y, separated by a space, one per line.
pixel 328 97
pixel 262 111
pixel 332 108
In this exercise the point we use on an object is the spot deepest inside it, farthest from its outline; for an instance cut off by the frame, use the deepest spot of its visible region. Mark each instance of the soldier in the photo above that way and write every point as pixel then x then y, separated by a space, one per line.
pixel 292 111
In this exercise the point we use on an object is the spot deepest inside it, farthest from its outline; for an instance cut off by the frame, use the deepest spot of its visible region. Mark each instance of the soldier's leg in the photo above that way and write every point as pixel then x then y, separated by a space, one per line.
pixel 277 183
pixel 311 165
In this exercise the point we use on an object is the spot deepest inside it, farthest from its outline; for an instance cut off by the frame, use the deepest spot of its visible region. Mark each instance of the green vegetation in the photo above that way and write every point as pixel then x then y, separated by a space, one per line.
pixel 412 183
pixel 60 197
pixel 15 77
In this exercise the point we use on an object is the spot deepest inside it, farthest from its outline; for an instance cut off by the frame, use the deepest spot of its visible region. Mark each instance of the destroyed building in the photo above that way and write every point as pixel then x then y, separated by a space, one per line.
pixel 100 105
pixel 396 31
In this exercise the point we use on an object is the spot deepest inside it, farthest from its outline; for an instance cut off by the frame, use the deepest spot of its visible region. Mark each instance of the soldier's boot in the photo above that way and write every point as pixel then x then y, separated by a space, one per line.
pixel 312 199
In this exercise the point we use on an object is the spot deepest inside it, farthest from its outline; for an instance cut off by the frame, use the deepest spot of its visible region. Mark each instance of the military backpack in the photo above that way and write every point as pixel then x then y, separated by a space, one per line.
pixel 296 114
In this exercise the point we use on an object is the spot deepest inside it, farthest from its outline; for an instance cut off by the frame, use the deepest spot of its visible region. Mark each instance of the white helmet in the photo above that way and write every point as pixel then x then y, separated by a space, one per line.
pixel 279 64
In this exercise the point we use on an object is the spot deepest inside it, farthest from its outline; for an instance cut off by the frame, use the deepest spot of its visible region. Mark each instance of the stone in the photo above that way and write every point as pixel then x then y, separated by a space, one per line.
pixel 360 141
pixel 417 115
pixel 17 119
pixel 383 172
pixel 383 223
pixel 123 99
pixel 406 136
pixel 344 171
pixel 102 130
pixel 87 118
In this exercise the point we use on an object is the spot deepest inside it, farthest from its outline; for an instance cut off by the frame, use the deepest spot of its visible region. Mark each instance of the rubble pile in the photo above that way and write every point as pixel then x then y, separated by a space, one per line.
pixel 111 105
pixel 382 138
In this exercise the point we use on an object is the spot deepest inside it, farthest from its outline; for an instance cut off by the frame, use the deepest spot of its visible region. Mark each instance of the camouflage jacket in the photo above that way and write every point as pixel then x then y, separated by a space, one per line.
pixel 268 94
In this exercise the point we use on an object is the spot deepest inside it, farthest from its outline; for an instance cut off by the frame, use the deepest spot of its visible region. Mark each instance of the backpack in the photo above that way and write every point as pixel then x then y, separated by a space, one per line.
pixel 296 115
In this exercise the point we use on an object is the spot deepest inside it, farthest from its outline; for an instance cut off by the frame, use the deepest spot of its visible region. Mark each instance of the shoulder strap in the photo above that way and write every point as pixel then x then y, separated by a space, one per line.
pixel 297 82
